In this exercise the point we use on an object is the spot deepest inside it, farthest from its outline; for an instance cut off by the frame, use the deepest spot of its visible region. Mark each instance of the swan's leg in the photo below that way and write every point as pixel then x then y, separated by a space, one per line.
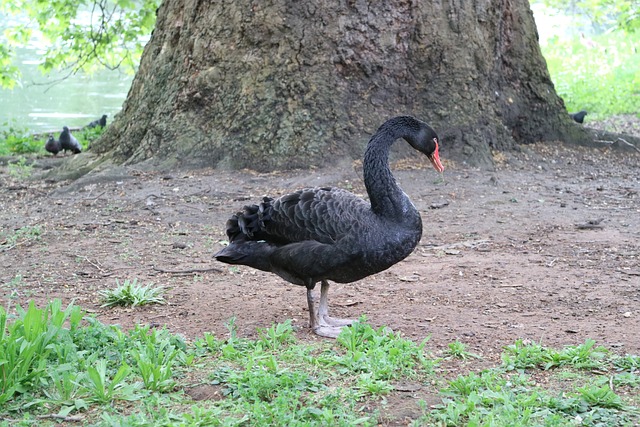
pixel 319 320
pixel 317 324
pixel 323 310
pixel 313 316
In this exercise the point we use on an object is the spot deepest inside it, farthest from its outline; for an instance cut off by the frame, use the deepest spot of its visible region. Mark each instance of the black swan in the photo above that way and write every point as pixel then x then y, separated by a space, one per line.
pixel 52 145
pixel 579 116
pixel 69 142
pixel 102 122
pixel 321 234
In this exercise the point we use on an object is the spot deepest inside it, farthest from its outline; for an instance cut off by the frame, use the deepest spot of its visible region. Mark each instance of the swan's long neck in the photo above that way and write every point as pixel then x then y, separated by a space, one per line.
pixel 387 199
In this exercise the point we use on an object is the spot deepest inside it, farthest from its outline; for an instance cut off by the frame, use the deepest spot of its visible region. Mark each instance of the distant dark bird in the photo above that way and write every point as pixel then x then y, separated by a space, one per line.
pixel 52 145
pixel 321 234
pixel 102 122
pixel 69 142
pixel 579 116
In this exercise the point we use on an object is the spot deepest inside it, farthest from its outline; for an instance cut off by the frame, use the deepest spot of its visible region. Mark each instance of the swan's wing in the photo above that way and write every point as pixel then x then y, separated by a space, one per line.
pixel 319 214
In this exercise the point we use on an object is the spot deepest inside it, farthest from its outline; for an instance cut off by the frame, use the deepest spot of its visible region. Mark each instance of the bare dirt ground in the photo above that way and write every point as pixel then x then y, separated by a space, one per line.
pixel 547 248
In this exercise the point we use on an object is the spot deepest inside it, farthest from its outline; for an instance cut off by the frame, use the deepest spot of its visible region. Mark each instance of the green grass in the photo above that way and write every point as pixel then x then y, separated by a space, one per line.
pixel 509 396
pixel 58 362
pixel 604 80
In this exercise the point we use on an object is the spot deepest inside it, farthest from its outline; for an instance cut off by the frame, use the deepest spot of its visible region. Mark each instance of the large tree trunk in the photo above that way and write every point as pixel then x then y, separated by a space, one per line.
pixel 287 84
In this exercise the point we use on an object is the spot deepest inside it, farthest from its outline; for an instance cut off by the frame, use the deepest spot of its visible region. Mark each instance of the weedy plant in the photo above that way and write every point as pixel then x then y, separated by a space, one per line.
pixel 521 355
pixel 59 359
pixel 87 135
pixel 379 354
pixel 20 169
pixel 155 354
pixel 458 350
pixel 602 397
pixel 14 283
pixel 627 362
pixel 17 140
pixel 102 389
pixel 22 236
pixel 26 344
pixel 130 293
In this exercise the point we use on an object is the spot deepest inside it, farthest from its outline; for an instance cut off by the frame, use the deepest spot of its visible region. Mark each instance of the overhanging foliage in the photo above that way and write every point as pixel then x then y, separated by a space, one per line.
pixel 76 35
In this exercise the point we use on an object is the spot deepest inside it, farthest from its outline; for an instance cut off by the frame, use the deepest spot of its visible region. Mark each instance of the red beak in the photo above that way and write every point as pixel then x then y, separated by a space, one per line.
pixel 435 160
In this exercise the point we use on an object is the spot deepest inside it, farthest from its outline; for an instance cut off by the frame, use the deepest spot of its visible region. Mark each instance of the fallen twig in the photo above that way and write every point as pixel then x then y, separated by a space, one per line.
pixel 157 317
pixel 94 198
pixel 439 205
pixel 9 247
pixel 189 271
pixel 61 417
pixel 97 266
pixel 591 224
pixel 588 226
pixel 630 273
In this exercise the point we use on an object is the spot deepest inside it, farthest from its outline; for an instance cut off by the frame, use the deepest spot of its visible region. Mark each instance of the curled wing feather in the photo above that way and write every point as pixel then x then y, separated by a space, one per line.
pixel 320 214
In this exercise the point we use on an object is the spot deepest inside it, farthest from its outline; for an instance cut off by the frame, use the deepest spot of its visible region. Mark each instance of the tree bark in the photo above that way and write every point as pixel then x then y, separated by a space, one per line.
pixel 283 84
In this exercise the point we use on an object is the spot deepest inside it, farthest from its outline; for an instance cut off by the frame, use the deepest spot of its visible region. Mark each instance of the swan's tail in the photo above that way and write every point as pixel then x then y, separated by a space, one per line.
pixel 247 224
pixel 247 252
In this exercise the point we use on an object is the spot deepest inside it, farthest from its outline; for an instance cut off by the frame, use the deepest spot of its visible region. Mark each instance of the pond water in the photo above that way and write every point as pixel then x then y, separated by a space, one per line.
pixel 42 105
pixel 46 103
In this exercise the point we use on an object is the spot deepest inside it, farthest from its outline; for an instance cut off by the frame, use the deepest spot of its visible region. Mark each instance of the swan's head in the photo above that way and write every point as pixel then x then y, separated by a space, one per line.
pixel 426 141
